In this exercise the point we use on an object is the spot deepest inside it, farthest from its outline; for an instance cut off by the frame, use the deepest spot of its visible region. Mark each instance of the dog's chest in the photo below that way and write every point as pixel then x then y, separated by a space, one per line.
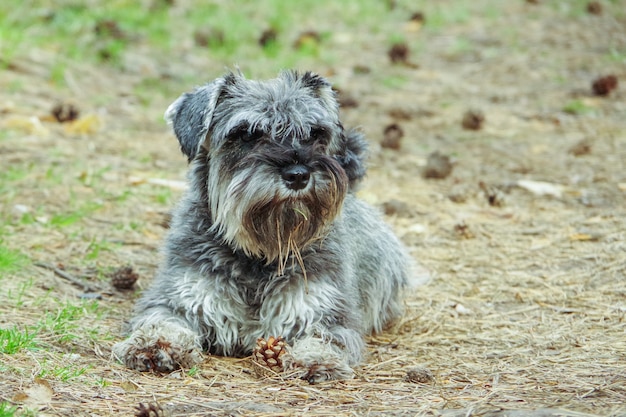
pixel 239 308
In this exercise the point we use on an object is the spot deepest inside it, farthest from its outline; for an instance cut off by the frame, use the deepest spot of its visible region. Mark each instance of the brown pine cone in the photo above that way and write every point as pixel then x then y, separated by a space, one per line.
pixel 420 375
pixel 604 85
pixel 65 112
pixel 151 410
pixel 268 353
pixel 473 120
pixel 124 278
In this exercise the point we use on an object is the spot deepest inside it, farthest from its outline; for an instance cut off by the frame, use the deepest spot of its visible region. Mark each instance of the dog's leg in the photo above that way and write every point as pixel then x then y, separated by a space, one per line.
pixel 325 355
pixel 159 342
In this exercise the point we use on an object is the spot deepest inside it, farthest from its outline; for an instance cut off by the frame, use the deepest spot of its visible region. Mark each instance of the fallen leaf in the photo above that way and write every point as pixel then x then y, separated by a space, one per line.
pixel 416 228
pixel 580 236
pixel 20 397
pixel 129 386
pixel 31 125
pixel 541 187
pixel 37 395
pixel 88 124
pixel 462 310
pixel 585 237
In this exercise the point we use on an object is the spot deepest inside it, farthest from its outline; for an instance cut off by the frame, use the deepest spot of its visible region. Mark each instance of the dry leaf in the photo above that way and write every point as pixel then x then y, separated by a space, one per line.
pixel 129 386
pixel 37 395
pixel 20 397
pixel 415 228
pixel 580 236
pixel 462 310
pixel 585 237
pixel 31 125
pixel 541 187
pixel 88 124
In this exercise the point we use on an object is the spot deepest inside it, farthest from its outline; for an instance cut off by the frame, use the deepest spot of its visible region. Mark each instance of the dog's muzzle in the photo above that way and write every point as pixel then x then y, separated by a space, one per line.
pixel 296 176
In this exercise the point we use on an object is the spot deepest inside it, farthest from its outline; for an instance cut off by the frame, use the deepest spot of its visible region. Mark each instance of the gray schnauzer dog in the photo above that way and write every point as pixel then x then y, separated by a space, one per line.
pixel 269 240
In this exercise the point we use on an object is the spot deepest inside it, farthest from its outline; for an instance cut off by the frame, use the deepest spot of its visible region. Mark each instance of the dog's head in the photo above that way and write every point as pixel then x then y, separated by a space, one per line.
pixel 278 161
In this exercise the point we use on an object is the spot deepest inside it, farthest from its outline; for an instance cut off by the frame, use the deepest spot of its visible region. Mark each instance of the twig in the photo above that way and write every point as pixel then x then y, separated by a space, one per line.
pixel 65 275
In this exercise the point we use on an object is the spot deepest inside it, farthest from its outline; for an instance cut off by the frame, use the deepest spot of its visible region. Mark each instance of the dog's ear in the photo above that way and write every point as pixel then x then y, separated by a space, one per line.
pixel 190 115
pixel 314 81
pixel 321 88
pixel 352 156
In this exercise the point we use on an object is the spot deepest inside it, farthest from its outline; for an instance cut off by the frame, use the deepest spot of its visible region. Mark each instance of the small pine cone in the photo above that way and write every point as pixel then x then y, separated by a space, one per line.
pixel 473 120
pixel 151 410
pixel 438 166
pixel 65 112
pixel 124 278
pixel 268 353
pixel 420 375
pixel 604 85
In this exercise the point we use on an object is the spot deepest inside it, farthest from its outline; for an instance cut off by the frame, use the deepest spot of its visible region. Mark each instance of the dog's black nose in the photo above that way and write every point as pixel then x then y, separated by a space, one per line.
pixel 296 177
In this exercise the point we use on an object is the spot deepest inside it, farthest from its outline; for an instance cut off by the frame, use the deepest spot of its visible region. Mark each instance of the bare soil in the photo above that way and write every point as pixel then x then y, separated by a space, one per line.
pixel 521 247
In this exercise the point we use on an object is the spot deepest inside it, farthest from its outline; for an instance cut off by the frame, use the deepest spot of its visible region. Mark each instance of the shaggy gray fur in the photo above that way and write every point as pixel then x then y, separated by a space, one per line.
pixel 269 240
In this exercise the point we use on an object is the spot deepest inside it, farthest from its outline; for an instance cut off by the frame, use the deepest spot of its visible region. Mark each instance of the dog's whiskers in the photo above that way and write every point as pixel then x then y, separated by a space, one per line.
pixel 296 253
pixel 282 258
pixel 291 251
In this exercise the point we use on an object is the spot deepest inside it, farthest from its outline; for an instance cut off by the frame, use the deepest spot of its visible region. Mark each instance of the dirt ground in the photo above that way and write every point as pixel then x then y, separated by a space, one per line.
pixel 521 247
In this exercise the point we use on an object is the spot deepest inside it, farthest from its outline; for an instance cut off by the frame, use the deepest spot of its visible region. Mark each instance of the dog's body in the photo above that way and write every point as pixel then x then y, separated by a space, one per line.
pixel 269 240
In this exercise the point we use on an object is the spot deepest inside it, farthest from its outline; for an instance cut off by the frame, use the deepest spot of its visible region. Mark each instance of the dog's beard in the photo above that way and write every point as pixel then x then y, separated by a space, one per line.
pixel 255 212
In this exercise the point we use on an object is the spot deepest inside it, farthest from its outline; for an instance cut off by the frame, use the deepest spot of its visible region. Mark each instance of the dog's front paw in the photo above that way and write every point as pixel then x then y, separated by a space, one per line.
pixel 316 361
pixel 324 369
pixel 145 351
pixel 161 356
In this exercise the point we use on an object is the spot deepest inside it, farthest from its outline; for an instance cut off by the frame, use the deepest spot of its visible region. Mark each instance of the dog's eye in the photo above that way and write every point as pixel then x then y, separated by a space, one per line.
pixel 251 136
pixel 318 134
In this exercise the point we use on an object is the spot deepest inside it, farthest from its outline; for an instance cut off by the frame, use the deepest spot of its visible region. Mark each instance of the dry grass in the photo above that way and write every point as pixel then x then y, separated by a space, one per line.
pixel 525 312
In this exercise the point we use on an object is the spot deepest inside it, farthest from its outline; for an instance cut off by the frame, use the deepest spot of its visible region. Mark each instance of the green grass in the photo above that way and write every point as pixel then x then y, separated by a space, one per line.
pixel 577 107
pixel 163 196
pixel 17 297
pixel 64 373
pixel 105 31
pixel 442 16
pixel 65 323
pixel 617 55
pixel 14 340
pixel 395 81
pixel 102 383
pixel 9 177
pixel 95 247
pixel 70 217
pixel 11 260
pixel 78 29
pixel 193 371
pixel 578 8
pixel 7 410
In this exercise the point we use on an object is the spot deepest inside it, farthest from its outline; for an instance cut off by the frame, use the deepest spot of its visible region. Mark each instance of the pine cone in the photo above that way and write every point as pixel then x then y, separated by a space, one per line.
pixel 124 278
pixel 151 410
pixel 65 112
pixel 420 375
pixel 473 120
pixel 268 353
pixel 604 85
